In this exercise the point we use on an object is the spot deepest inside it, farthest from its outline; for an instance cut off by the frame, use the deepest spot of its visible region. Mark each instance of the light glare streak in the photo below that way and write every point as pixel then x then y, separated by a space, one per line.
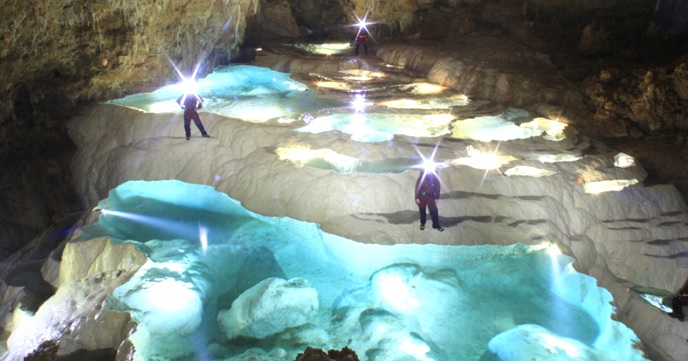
pixel 203 237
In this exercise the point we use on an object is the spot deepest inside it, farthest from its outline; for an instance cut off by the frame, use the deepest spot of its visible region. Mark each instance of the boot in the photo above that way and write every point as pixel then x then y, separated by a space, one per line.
pixel 423 218
pixel 436 221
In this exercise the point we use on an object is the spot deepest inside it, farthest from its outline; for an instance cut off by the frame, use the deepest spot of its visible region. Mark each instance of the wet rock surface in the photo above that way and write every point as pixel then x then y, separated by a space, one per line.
pixel 621 59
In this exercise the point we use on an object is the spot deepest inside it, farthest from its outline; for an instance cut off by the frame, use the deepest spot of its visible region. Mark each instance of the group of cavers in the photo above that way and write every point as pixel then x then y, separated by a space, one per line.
pixel 427 191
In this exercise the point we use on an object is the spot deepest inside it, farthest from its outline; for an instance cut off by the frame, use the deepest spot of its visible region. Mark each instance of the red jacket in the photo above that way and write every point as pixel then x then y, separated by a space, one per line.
pixel 428 185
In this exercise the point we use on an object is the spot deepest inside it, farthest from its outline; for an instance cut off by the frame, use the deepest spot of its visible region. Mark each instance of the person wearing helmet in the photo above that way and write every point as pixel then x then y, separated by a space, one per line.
pixel 191 102
pixel 362 40
pixel 427 195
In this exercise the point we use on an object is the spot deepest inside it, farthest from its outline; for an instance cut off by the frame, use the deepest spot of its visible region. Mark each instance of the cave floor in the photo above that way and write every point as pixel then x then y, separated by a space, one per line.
pixel 660 154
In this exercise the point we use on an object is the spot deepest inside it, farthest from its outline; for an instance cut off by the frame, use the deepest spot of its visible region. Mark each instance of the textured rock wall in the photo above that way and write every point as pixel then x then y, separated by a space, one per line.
pixel 58 55
pixel 643 101
pixel 571 12
pixel 672 16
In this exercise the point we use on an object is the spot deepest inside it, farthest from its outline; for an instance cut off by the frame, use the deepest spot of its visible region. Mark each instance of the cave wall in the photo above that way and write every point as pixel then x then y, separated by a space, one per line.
pixel 55 55
pixel 58 55
pixel 672 16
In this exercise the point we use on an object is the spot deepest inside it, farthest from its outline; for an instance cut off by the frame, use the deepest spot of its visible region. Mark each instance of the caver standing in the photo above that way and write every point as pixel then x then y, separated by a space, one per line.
pixel 191 102
pixel 427 195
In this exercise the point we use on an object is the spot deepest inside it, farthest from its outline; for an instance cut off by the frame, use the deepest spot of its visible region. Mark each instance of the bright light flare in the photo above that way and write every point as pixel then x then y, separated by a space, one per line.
pixel 335 46
pixel 203 237
pixel 553 250
pixel 190 86
pixel 169 304
pixel 187 84
pixel 179 72
pixel 402 104
pixel 19 315
pixel 249 114
pixel 434 103
pixel 554 130
pixel 170 226
pixel 324 49
pixel 169 106
pixel 416 349
pixel 331 48
pixel 480 159
pixel 359 103
pixel 428 165
pixel 300 155
pixel 136 217
pixel 169 295
pixel 362 24
pixel 424 88
pixel 394 66
pixel 397 293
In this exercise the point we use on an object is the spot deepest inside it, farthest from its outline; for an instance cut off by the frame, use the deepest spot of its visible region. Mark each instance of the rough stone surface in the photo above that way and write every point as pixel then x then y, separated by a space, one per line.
pixel 269 307
pixel 601 231
pixel 89 272
pixel 57 56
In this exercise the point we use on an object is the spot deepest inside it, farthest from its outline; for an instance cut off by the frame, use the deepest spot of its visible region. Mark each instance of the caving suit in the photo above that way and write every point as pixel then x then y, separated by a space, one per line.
pixel 362 40
pixel 428 192
pixel 191 102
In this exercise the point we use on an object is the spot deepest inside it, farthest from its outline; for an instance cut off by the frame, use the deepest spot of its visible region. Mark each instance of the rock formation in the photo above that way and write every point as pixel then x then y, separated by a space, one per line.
pixel 619 61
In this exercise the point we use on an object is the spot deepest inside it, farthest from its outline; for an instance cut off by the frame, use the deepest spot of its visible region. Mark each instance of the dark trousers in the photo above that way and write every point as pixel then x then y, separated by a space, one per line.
pixel 677 308
pixel 432 207
pixel 188 116
pixel 365 48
